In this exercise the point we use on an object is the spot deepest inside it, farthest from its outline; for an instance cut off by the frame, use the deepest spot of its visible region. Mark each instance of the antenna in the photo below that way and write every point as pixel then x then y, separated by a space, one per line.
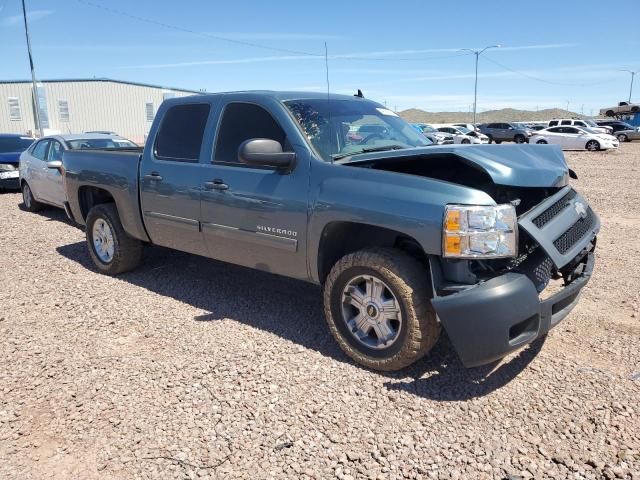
pixel 326 66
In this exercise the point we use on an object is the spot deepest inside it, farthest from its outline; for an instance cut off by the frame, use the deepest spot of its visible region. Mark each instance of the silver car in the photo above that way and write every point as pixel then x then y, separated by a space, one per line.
pixel 41 165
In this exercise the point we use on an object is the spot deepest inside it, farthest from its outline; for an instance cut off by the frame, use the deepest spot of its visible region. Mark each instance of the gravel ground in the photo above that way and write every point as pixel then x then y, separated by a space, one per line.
pixel 192 368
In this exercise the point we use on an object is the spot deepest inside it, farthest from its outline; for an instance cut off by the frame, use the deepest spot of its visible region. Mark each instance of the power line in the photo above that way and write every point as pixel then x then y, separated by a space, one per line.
pixel 194 32
pixel 257 45
pixel 550 82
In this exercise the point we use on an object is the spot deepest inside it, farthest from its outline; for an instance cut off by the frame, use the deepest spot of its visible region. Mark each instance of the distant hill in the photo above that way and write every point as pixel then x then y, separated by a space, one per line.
pixel 416 115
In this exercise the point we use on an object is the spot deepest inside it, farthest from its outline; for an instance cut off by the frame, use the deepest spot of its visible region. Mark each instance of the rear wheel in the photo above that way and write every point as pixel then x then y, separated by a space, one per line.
pixel 592 146
pixel 465 141
pixel 30 203
pixel 623 138
pixel 378 307
pixel 111 249
pixel 542 142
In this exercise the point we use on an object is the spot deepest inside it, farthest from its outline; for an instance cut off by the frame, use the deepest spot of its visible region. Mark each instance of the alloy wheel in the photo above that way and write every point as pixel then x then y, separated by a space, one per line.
pixel 371 312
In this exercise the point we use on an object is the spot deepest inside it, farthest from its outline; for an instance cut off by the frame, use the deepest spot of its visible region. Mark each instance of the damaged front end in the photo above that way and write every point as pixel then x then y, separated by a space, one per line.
pixel 492 307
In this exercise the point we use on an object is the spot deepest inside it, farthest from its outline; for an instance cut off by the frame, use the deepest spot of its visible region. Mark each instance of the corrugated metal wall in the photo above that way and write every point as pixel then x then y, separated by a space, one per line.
pixel 92 105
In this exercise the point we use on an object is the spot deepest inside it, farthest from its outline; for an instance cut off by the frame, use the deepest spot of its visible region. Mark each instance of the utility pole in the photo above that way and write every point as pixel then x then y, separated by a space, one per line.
pixel 477 53
pixel 33 73
pixel 568 106
pixel 633 74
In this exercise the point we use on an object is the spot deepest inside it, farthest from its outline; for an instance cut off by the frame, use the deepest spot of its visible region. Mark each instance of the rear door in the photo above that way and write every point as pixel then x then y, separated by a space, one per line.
pixel 52 177
pixel 254 216
pixel 170 174
pixel 35 169
pixel 553 136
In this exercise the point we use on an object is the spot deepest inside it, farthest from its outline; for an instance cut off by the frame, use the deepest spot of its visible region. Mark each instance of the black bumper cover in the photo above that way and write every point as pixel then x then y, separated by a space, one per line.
pixel 10 183
pixel 492 319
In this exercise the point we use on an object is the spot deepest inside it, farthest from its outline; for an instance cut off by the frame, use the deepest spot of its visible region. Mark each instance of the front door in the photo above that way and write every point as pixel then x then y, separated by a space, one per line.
pixel 170 178
pixel 251 216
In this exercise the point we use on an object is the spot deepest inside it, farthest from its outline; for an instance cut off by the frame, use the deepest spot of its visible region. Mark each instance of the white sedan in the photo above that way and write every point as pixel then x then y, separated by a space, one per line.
pixel 574 138
pixel 464 135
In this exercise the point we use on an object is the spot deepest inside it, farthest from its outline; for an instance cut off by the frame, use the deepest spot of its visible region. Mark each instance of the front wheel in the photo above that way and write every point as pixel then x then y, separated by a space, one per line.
pixel 112 250
pixel 465 141
pixel 623 138
pixel 30 203
pixel 541 142
pixel 377 304
pixel 592 146
pixel 519 139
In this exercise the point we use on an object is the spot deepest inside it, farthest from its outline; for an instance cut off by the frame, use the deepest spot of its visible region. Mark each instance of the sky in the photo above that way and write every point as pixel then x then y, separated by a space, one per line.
pixel 407 53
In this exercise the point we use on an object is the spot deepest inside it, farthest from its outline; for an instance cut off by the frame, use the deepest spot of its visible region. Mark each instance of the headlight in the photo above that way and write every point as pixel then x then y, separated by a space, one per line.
pixel 480 232
pixel 7 167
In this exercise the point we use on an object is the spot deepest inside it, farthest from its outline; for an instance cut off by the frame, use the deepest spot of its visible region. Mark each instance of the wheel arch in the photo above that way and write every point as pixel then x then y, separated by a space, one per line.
pixel 90 196
pixel 340 238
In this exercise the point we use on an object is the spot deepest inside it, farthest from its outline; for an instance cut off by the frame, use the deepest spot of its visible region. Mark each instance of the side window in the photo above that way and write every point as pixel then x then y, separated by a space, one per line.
pixel 572 130
pixel 565 122
pixel 493 125
pixel 55 151
pixel 553 123
pixel 40 150
pixel 580 124
pixel 555 130
pixel 241 122
pixel 180 135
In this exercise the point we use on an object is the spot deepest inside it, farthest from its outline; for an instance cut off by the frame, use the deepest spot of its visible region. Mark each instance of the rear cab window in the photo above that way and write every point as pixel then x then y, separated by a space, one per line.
pixel 180 135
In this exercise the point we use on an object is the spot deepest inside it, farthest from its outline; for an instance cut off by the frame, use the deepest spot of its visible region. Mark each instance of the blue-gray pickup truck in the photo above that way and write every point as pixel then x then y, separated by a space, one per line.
pixel 404 237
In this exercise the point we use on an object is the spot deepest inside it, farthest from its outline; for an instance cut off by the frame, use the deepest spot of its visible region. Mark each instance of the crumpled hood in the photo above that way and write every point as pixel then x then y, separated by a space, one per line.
pixel 514 165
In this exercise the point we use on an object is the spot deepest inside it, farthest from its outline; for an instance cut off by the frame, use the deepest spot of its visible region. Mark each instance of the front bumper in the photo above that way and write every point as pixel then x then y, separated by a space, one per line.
pixel 491 319
pixel 9 179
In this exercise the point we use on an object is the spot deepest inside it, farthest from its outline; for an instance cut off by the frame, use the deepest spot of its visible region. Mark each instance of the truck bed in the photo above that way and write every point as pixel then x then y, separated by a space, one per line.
pixel 114 171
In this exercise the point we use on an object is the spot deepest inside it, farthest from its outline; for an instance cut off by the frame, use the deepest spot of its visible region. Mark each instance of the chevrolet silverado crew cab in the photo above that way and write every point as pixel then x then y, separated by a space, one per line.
pixel 404 237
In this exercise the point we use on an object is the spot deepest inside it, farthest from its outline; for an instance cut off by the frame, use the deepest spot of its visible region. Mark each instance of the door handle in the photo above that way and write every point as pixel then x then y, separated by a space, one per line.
pixel 217 184
pixel 153 176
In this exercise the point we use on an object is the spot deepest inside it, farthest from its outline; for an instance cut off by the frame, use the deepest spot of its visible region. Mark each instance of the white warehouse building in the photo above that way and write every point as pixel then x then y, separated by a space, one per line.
pixel 80 105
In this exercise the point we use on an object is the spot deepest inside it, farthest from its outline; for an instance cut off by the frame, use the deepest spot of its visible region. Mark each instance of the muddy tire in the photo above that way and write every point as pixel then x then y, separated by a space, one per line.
pixel 112 250
pixel 377 305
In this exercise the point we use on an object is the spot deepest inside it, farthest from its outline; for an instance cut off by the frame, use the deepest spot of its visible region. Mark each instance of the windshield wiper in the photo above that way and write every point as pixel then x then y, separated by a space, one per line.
pixel 382 148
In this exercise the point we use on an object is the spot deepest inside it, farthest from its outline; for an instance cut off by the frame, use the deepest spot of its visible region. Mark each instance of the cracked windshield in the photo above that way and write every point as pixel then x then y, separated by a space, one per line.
pixel 343 128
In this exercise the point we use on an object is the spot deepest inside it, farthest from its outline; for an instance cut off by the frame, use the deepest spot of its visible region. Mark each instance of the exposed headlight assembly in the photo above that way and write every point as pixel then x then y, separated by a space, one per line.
pixel 6 167
pixel 480 231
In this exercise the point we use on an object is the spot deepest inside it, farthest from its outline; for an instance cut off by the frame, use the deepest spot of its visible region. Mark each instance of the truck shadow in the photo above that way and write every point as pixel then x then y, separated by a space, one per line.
pixel 293 310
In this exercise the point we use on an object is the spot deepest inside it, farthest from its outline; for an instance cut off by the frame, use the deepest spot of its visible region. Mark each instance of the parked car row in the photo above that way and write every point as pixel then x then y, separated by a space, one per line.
pixel 568 133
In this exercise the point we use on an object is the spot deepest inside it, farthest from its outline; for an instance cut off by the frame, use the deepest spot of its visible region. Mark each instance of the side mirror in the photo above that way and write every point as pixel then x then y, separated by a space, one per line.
pixel 55 164
pixel 263 152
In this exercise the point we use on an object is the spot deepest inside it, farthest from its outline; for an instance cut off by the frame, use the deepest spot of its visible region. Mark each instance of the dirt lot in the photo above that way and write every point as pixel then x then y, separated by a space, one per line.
pixel 192 368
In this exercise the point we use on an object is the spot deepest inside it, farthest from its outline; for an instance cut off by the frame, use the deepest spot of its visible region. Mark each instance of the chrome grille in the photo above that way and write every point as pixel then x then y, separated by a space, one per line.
pixel 575 233
pixel 551 212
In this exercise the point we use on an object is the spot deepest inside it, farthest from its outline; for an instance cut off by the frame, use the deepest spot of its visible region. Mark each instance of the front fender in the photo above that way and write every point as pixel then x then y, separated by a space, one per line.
pixel 408 204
